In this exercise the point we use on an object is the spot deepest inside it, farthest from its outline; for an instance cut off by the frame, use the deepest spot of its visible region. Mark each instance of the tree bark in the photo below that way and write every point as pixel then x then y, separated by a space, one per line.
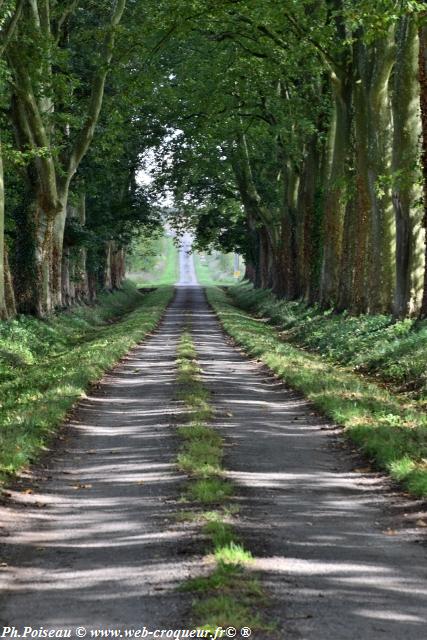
pixel 3 307
pixel 374 251
pixel 336 189
pixel 423 100
pixel 50 184
pixel 407 130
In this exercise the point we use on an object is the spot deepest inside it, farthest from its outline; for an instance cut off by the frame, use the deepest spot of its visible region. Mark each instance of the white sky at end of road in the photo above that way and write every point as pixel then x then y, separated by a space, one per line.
pixel 144 177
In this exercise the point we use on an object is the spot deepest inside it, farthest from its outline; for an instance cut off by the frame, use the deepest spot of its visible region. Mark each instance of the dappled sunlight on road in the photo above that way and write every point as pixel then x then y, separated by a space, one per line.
pixel 314 522
pixel 92 538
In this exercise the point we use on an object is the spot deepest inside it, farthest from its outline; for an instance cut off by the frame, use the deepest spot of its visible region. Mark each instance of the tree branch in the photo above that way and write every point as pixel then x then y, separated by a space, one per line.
pixel 68 11
pixel 10 30
pixel 299 31
pixel 85 136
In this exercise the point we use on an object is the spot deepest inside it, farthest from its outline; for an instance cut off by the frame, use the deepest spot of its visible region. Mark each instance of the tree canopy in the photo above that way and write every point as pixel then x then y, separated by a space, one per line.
pixel 292 132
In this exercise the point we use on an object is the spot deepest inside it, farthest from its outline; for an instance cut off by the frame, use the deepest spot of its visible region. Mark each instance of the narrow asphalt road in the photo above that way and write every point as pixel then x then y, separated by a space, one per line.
pixel 96 545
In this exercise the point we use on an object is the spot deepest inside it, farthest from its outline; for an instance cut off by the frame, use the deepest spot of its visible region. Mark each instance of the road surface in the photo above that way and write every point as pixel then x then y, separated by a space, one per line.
pixel 91 540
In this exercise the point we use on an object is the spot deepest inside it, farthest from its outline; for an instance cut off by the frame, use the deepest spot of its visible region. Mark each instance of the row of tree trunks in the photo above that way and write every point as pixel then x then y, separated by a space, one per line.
pixel 81 286
pixel 74 277
pixel 360 186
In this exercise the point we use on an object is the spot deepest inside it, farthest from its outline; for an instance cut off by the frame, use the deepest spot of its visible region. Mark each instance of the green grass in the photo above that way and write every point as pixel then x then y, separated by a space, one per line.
pixel 225 610
pixel 201 457
pixel 390 429
pixel 202 451
pixel 233 553
pixel 376 346
pixel 165 269
pixel 221 579
pixel 210 490
pixel 45 366
pixel 214 269
pixel 221 533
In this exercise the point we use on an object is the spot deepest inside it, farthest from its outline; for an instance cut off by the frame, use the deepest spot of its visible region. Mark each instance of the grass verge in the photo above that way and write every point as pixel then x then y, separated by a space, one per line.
pixel 378 346
pixel 45 366
pixel 390 429
pixel 228 596
pixel 164 271
pixel 214 270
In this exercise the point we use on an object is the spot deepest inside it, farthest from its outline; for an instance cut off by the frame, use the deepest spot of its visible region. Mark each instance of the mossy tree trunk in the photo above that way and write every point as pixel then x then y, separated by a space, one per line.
pixel 423 100
pixel 259 218
pixel 3 307
pixel 406 193
pixel 375 236
pixel 286 277
pixel 74 273
pixel 49 178
pixel 335 199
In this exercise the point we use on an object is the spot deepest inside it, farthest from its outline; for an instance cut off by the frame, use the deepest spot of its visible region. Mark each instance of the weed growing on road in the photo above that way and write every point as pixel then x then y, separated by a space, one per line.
pixel 201 457
pixel 391 430
pixel 45 366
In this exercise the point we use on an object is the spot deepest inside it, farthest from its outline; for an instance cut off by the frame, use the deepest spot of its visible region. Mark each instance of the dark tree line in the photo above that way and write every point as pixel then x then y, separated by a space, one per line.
pixel 292 132
pixel 306 117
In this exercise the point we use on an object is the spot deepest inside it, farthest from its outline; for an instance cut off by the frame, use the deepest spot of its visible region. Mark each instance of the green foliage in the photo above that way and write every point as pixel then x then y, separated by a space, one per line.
pixel 214 268
pixel 221 533
pixel 379 346
pixel 232 553
pixel 391 430
pixel 46 366
pixel 227 611
pixel 153 261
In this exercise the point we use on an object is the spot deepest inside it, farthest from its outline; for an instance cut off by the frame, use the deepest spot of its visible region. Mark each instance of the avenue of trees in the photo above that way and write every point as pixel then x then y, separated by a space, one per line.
pixel 72 134
pixel 291 131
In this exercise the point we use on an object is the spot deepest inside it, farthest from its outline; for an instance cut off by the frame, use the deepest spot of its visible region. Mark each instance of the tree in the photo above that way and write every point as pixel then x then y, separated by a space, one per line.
pixel 50 101
pixel 10 14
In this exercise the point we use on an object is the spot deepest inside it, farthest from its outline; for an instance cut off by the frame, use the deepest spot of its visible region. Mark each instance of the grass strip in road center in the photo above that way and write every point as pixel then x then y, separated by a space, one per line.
pixel 390 430
pixel 228 596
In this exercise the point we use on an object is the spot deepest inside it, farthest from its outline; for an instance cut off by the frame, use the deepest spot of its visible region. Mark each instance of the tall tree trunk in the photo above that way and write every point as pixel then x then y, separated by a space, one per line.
pixel 307 222
pixel 8 287
pixel 57 253
pixel 7 295
pixel 374 253
pixel 35 269
pixel 363 204
pixel 423 99
pixel 381 259
pixel 82 284
pixel 336 190
pixel 3 307
pixel 51 176
pixel 346 283
pixel 285 251
pixel 407 129
pixel 265 260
